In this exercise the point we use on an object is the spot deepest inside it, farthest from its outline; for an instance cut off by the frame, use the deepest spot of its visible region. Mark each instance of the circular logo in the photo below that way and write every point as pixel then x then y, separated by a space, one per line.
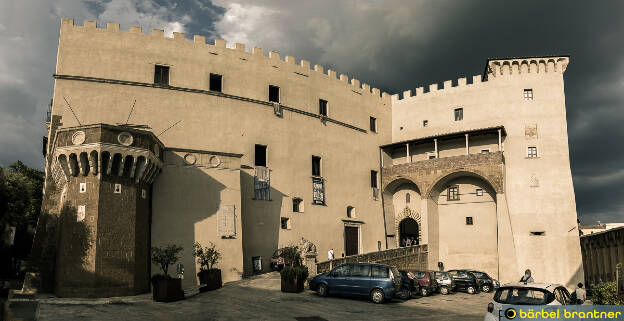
pixel 78 137
pixel 510 313
pixel 125 139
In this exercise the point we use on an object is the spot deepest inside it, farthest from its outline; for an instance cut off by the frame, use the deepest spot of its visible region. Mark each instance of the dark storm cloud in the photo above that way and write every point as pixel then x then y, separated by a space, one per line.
pixel 392 45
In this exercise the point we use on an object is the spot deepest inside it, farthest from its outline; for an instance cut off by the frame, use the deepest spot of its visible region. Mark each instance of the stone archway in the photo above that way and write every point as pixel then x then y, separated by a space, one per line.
pixel 401 218
pixel 408 232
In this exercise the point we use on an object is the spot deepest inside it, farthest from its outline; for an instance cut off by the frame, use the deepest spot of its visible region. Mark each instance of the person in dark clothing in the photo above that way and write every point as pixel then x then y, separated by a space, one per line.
pixel 527 278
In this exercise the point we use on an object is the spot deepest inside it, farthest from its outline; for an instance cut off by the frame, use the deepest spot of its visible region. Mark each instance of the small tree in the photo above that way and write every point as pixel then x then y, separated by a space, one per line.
pixel 207 257
pixel 165 256
pixel 606 294
pixel 291 255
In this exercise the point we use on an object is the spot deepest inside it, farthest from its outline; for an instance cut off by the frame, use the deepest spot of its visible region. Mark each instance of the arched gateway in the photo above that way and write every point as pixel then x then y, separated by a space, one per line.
pixel 408 232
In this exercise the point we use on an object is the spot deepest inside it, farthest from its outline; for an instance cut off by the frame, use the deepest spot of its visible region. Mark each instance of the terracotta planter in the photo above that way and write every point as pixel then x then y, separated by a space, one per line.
pixel 167 289
pixel 211 279
pixel 292 286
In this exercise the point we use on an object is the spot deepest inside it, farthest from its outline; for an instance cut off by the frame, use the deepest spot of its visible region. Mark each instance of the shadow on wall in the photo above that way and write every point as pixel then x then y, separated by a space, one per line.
pixel 192 196
pixel 261 222
pixel 75 274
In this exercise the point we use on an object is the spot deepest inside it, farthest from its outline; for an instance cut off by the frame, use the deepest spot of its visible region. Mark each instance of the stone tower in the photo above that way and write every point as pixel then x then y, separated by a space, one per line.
pixel 101 208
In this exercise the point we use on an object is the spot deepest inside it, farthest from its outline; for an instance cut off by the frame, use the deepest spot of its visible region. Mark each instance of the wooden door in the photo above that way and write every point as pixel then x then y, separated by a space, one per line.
pixel 351 240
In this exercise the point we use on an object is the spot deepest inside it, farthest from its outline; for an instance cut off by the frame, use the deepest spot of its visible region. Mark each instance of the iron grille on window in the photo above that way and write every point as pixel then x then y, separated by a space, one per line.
pixel 528 94
pixel 532 152
pixel 318 186
pixel 453 193
pixel 468 220
pixel 262 183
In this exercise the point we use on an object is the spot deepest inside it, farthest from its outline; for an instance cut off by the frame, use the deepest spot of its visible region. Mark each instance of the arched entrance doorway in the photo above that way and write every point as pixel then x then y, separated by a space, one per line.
pixel 408 232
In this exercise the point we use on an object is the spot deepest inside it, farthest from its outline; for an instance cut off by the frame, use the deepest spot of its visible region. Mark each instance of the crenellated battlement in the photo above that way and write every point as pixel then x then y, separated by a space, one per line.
pixel 526 65
pixel 303 67
pixel 498 68
pixel 433 88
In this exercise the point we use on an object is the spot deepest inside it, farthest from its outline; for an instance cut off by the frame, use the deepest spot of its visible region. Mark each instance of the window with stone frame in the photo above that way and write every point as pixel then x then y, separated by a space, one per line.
pixel 452 193
pixel 528 94
pixel 532 152
pixel 297 205
pixel 323 107
pixel 459 114
pixel 469 220
pixel 161 75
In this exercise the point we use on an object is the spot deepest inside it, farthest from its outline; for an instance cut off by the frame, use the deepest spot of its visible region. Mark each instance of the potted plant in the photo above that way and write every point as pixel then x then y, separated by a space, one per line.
pixel 294 274
pixel 166 288
pixel 207 257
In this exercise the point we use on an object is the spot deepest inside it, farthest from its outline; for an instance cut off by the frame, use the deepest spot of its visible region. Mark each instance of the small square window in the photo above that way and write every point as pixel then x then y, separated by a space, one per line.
pixel 469 220
pixel 316 166
pixel 117 189
pixel 459 114
pixel 285 223
pixel 323 107
pixel 453 193
pixel 297 205
pixel 161 75
pixel 274 94
pixel 425 123
pixel 532 152
pixel 373 124
pixel 216 82
pixel 83 187
pixel 479 192
pixel 528 94
pixel 431 155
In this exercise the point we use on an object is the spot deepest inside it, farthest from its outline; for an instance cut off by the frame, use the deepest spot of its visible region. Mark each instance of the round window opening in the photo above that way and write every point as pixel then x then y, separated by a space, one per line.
pixel 214 161
pixel 190 158
pixel 78 137
pixel 125 139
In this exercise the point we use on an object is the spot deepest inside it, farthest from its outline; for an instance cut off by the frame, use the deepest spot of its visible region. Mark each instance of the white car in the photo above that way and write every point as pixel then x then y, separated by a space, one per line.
pixel 526 294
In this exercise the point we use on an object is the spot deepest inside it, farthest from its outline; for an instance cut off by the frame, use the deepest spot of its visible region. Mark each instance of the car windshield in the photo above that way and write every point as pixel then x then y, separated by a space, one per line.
pixel 419 275
pixel 523 296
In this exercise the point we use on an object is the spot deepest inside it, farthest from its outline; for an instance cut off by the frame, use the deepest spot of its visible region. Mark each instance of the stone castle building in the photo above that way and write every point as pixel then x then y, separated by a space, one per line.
pixel 253 153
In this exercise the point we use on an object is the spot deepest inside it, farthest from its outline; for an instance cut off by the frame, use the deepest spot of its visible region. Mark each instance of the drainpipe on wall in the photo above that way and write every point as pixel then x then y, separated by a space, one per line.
pixel 383 205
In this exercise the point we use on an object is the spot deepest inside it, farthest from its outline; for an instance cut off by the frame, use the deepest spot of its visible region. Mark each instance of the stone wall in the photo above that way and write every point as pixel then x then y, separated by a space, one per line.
pixel 404 258
pixel 601 253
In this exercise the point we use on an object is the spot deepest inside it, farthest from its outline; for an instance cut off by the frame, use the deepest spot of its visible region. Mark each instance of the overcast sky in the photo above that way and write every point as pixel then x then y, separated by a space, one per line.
pixel 393 45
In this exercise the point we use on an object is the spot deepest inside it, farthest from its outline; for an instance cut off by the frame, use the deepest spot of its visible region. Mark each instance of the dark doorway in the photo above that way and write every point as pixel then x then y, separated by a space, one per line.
pixel 351 240
pixel 408 232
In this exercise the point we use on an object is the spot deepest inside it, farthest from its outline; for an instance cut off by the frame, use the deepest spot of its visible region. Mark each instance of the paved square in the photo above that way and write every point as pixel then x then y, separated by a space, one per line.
pixel 260 298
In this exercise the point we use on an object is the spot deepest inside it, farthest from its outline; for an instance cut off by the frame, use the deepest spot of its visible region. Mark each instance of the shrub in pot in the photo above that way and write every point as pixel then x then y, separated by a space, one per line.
pixel 208 257
pixel 166 288
pixel 294 274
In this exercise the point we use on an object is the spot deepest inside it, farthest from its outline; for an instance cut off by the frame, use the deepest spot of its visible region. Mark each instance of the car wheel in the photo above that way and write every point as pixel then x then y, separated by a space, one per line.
pixel 486 288
pixel 377 296
pixel 444 290
pixel 322 290
pixel 424 292
pixel 471 289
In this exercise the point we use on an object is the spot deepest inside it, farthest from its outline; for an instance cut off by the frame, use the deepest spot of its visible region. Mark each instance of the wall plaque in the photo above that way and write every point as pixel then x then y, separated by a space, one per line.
pixel 226 221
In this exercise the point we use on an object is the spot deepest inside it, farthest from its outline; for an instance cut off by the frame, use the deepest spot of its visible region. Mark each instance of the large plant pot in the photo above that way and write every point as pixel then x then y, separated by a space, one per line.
pixel 293 285
pixel 167 289
pixel 211 279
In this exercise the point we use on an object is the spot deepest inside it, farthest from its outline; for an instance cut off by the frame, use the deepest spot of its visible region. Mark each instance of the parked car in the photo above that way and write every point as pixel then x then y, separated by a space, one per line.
pixel 464 281
pixel 426 282
pixel 377 281
pixel 484 281
pixel 409 285
pixel 446 284
pixel 526 294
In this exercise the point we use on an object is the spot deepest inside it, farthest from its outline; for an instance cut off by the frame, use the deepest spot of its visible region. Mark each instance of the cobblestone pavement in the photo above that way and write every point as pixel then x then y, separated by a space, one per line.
pixel 260 298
